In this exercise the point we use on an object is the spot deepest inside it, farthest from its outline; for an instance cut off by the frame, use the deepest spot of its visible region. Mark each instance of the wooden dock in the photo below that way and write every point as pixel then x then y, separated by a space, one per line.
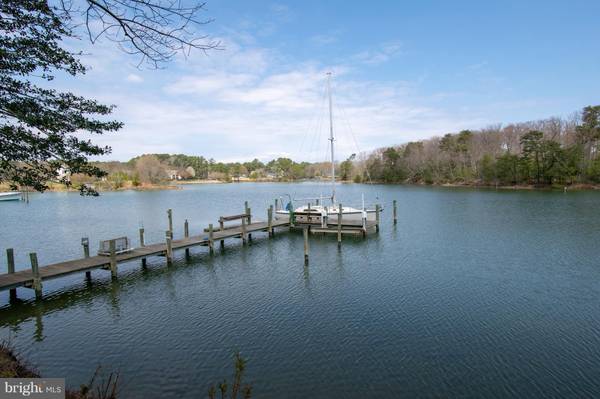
pixel 33 278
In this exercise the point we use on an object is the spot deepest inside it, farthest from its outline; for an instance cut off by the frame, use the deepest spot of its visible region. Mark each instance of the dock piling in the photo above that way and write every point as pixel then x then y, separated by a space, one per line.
pixel 395 213
pixel 10 259
pixel 305 233
pixel 211 243
pixel 37 280
pixel 270 221
pixel 170 216
pixel 377 210
pixel 248 210
pixel 276 202
pixel 339 226
pixel 142 244
pixel 85 242
pixel 244 231
pixel 186 234
pixel 221 228
pixel 169 253
pixel 113 258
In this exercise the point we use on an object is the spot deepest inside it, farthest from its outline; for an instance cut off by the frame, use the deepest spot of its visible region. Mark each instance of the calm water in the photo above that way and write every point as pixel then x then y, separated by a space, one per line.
pixel 474 293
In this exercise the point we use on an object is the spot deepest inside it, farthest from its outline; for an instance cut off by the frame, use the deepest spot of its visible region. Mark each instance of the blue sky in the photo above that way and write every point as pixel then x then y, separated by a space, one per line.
pixel 403 71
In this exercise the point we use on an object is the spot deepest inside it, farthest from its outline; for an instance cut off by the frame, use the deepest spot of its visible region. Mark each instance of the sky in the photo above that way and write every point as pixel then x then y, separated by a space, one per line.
pixel 402 71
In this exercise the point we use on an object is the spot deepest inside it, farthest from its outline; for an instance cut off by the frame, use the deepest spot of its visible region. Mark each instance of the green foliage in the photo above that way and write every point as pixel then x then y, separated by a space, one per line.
pixel 39 126
pixel 539 155
pixel 239 366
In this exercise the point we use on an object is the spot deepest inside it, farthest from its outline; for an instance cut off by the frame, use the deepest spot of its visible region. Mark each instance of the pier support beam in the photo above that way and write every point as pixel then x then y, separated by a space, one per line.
pixel 244 239
pixel 305 234
pixel 270 228
pixel 186 234
pixel 339 226
pixel 169 254
pixel 142 244
pixel 395 210
pixel 211 242
pixel 221 228
pixel 113 258
pixel 85 242
pixel 377 210
pixel 37 279
pixel 247 211
pixel 249 221
pixel 170 216
pixel 10 259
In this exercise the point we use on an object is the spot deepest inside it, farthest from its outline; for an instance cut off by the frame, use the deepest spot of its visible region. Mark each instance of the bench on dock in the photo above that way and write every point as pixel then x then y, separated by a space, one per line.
pixel 121 246
pixel 247 217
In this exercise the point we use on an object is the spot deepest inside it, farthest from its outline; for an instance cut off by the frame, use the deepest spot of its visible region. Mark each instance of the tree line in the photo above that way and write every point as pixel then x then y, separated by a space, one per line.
pixel 546 152
pixel 152 169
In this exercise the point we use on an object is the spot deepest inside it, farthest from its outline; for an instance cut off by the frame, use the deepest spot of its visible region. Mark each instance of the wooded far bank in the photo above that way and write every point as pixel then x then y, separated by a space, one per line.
pixel 553 151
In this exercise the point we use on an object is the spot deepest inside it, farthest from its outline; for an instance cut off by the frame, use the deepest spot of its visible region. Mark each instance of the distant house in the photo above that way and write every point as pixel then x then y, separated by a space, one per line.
pixel 174 174
pixel 63 174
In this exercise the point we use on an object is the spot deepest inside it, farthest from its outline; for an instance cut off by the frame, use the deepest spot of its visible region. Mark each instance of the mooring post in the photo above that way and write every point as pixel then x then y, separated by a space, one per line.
pixel 244 231
pixel 317 202
pixel 305 233
pixel 10 258
pixel 142 244
pixel 247 212
pixel 377 210
pixel 270 220
pixel 113 258
pixel 221 228
pixel 292 218
pixel 325 218
pixel 170 215
pixel 37 279
pixel 276 201
pixel 186 234
pixel 395 213
pixel 339 226
pixel 364 223
pixel 249 221
pixel 211 243
pixel 85 242
pixel 169 247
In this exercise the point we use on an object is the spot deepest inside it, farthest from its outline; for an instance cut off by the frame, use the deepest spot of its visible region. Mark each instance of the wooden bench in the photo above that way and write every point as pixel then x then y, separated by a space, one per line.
pixel 241 216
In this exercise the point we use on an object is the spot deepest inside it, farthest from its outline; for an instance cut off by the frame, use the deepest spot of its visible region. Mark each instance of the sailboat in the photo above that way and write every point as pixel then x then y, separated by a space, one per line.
pixel 318 212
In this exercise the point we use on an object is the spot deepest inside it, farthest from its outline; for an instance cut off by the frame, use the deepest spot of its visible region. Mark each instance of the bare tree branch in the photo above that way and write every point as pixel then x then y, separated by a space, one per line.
pixel 156 30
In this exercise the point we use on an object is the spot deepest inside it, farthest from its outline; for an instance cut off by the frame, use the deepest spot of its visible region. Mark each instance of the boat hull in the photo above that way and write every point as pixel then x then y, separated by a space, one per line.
pixel 353 217
pixel 15 196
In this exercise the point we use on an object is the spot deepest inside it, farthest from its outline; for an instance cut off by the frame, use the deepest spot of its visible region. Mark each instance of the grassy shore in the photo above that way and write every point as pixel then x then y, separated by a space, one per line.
pixel 13 366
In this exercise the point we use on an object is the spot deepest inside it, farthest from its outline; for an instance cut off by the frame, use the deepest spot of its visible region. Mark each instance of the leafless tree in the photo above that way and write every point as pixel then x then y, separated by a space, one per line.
pixel 155 30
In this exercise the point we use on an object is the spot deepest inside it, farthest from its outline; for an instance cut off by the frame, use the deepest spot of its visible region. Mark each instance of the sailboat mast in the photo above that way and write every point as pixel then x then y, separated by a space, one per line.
pixel 331 139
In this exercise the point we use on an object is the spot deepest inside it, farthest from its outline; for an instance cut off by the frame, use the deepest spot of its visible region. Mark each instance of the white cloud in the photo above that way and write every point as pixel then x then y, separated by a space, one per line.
pixel 378 56
pixel 249 101
pixel 134 78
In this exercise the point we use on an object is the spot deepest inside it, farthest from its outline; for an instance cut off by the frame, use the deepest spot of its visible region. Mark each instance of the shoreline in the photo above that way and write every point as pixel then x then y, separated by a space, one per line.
pixel 177 186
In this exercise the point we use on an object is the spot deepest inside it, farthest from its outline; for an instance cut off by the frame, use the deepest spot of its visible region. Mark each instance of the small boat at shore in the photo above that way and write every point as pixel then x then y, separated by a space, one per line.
pixel 11 196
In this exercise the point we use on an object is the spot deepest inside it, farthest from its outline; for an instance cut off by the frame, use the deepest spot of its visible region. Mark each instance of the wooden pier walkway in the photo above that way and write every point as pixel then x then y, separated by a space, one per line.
pixel 111 258
pixel 26 278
